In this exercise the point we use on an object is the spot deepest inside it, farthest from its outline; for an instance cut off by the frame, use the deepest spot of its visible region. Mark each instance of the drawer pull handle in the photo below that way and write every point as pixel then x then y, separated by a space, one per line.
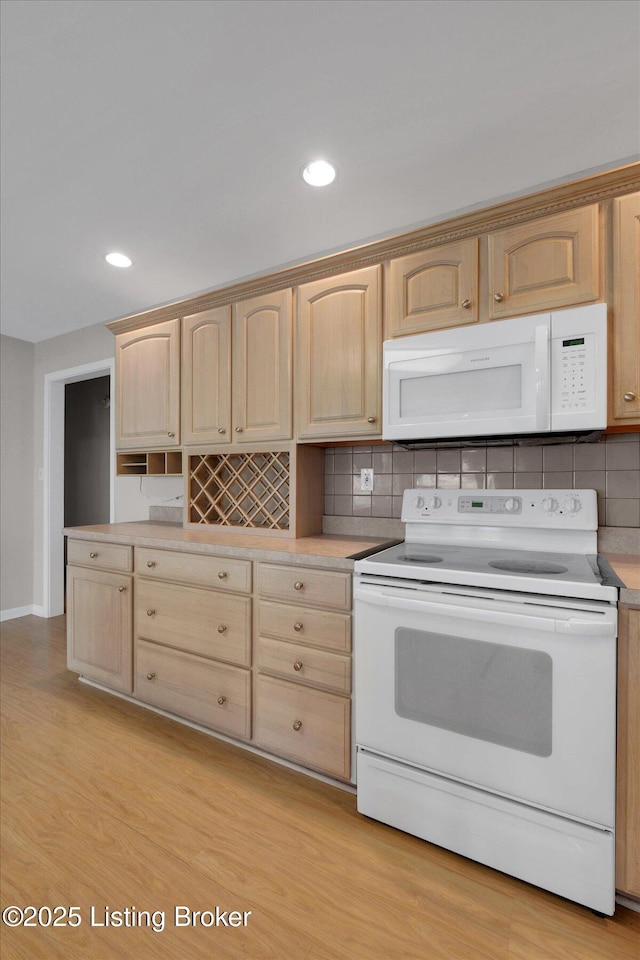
pixel 466 304
pixel 222 575
pixel 222 628
pixel 297 725
pixel 93 555
pixel 222 700
pixel 298 626
pixel 298 665
pixel 298 585
pixel 151 563
pixel 498 297
pixel 371 419
pixel 629 396
pixel 122 589
pixel 150 613
pixel 151 676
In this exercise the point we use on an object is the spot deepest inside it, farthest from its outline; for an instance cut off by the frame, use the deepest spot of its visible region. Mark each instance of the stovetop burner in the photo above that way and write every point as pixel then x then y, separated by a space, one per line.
pixel 527 566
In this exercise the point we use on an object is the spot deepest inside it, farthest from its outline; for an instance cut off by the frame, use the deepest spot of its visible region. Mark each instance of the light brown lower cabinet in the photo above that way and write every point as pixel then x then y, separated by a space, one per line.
pixel 628 785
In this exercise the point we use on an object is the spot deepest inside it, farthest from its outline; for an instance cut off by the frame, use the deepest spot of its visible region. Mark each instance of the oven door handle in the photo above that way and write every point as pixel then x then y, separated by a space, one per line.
pixel 492 614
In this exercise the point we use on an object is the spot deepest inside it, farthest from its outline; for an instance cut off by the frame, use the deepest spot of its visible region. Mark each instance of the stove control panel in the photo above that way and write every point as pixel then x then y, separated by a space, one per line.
pixel 569 509
pixel 489 504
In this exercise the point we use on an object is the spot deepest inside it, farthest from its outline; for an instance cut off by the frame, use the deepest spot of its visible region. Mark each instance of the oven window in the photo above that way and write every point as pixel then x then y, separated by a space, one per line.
pixel 488 691
pixel 491 388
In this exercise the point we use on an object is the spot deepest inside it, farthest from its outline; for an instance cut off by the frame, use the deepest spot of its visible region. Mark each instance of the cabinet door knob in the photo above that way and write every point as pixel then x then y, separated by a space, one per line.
pixel 466 304
pixel 150 613
pixel 122 589
pixel 221 430
pixel 222 700
pixel 151 563
pixel 298 585
pixel 171 433
pixel 238 429
pixel 151 676
pixel 629 396
pixel 498 297
pixel 222 575
pixel 297 725
pixel 93 555
pixel 298 665
pixel 298 626
pixel 371 419
pixel 222 628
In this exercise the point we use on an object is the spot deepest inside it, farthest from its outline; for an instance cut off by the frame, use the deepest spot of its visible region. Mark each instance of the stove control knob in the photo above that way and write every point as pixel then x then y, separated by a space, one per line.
pixel 419 503
pixel 572 504
pixel 433 503
pixel 549 505
pixel 511 504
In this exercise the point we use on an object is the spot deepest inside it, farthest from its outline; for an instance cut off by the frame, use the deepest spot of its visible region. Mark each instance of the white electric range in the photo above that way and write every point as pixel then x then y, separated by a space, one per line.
pixel 485 685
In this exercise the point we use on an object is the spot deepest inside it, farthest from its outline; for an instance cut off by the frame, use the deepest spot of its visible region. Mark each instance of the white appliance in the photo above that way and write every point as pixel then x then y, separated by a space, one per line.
pixel 485 685
pixel 540 375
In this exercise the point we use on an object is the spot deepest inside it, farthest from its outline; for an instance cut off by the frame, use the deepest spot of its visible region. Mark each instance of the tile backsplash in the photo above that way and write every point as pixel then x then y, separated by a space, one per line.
pixel 611 466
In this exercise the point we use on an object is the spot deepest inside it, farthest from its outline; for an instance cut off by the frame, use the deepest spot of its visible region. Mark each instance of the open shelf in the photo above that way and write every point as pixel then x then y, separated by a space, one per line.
pixel 156 463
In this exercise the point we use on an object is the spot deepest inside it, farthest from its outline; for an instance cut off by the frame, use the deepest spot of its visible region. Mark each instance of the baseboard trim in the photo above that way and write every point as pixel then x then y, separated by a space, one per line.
pixel 35 610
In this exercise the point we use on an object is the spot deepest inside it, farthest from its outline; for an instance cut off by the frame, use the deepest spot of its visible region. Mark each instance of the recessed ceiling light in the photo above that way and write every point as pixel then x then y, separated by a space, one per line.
pixel 118 260
pixel 319 173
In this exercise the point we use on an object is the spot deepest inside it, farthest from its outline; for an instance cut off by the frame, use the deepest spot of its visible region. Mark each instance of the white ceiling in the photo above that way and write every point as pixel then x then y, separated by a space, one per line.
pixel 176 131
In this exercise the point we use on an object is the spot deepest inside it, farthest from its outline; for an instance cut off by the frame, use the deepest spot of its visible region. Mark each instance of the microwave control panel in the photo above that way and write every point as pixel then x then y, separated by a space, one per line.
pixel 579 368
pixel 573 367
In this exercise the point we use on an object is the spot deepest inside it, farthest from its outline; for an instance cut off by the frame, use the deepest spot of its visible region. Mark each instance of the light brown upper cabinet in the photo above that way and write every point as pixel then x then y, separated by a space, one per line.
pixel 148 387
pixel 338 356
pixel 625 340
pixel 261 406
pixel 543 264
pixel 206 377
pixel 435 288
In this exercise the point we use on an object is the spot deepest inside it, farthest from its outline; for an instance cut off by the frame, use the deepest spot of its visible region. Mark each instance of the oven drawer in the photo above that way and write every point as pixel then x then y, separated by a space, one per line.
pixel 219 573
pixel 310 726
pixel 317 588
pixel 97 553
pixel 321 628
pixel 204 622
pixel 210 693
pixel 294 661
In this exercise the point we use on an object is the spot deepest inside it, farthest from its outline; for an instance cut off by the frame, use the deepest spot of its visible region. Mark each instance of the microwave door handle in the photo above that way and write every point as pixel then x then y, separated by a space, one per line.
pixel 543 379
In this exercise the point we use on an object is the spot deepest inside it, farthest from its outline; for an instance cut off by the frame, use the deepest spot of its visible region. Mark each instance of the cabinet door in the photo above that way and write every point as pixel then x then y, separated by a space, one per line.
pixel 99 626
pixel 262 368
pixel 625 346
pixel 628 780
pixel 148 387
pixel 432 289
pixel 206 377
pixel 338 356
pixel 547 263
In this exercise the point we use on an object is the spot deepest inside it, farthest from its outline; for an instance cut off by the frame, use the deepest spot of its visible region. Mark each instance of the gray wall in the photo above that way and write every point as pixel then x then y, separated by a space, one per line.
pixel 86 452
pixel 17 473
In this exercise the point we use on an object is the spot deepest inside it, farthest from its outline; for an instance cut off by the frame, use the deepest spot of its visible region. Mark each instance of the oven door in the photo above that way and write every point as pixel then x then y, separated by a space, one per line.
pixel 469 383
pixel 508 692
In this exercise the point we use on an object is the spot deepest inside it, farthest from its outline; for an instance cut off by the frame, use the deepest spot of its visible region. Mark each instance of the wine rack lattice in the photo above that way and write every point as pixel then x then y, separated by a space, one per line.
pixel 240 490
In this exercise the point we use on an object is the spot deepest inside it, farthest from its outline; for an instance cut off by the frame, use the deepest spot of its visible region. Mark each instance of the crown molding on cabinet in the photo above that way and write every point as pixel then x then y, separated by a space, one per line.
pixel 566 196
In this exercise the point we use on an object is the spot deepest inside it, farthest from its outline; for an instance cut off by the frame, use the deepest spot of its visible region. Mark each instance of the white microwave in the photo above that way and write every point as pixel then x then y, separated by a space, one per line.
pixel 537 375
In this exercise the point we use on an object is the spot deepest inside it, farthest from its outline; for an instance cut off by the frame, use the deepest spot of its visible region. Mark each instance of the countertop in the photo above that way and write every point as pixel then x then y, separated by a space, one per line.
pixel 323 550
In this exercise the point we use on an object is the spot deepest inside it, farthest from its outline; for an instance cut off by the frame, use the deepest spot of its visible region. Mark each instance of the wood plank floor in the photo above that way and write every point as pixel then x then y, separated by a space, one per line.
pixel 107 805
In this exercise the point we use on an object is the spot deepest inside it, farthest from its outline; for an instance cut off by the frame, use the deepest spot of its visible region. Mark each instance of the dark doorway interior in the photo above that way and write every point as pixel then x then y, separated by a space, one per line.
pixel 86 452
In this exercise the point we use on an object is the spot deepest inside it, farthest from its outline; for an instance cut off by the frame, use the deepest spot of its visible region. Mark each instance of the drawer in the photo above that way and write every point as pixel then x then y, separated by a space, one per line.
pixel 104 556
pixel 322 739
pixel 319 627
pixel 317 588
pixel 294 661
pixel 205 622
pixel 221 573
pixel 210 693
